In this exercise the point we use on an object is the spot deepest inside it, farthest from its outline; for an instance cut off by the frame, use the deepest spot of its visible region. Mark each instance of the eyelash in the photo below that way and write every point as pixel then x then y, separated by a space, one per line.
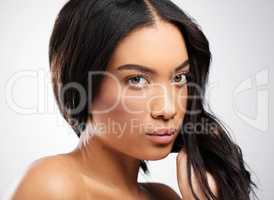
pixel 135 76
pixel 186 74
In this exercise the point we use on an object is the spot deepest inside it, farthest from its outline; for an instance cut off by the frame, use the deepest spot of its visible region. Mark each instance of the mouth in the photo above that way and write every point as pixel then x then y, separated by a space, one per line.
pixel 162 136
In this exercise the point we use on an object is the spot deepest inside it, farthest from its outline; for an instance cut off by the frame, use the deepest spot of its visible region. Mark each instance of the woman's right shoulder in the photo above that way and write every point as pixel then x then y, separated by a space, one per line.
pixel 51 177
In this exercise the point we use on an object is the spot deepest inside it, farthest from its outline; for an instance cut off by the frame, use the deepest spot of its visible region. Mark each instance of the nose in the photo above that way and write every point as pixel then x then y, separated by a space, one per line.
pixel 163 107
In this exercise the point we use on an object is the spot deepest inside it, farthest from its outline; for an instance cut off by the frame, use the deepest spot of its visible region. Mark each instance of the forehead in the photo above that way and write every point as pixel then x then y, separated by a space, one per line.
pixel 155 46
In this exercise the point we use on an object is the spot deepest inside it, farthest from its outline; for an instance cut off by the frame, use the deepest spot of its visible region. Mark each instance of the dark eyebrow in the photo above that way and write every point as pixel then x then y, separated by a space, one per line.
pixel 182 66
pixel 148 70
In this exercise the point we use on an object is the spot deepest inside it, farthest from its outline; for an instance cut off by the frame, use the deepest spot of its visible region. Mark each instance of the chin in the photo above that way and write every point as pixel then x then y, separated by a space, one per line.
pixel 158 153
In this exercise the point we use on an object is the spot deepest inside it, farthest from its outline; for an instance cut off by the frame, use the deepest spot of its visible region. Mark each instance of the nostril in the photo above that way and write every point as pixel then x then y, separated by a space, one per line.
pixel 163 115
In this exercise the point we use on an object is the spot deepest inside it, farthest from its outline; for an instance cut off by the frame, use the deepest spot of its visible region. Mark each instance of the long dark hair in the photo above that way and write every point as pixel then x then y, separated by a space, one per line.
pixel 86 33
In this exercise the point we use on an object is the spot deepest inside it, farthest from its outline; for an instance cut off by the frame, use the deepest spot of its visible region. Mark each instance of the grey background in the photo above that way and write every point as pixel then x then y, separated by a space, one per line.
pixel 240 90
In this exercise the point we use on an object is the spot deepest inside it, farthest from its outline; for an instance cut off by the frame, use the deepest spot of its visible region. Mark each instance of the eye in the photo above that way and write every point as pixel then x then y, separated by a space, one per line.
pixel 181 79
pixel 137 81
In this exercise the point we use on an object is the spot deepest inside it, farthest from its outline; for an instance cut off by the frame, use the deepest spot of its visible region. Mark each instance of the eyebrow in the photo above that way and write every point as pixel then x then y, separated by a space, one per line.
pixel 148 70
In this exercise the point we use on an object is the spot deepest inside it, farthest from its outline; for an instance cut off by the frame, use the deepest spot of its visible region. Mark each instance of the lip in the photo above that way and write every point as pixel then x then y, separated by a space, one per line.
pixel 162 136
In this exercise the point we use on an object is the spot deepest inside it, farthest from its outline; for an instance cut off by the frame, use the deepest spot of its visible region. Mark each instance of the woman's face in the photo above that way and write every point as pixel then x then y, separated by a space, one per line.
pixel 142 92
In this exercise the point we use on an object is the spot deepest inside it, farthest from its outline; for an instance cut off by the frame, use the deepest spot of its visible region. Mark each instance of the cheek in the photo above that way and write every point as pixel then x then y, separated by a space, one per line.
pixel 120 111
pixel 106 99
pixel 181 104
pixel 182 99
pixel 129 113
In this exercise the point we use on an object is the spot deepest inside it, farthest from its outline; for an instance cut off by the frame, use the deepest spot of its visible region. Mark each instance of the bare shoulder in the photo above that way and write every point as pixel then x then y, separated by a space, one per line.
pixel 161 191
pixel 51 177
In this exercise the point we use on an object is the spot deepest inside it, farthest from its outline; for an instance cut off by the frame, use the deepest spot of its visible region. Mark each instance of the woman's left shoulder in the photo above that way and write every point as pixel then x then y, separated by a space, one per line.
pixel 161 191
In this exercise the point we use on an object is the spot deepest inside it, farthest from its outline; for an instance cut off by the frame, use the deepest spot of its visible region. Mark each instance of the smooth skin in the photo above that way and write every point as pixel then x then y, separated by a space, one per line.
pixel 107 166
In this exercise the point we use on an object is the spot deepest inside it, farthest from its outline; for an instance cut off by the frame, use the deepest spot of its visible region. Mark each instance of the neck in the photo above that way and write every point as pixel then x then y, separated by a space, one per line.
pixel 109 167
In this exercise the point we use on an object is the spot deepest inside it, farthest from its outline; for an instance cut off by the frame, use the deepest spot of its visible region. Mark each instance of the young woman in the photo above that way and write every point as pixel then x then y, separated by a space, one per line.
pixel 129 77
